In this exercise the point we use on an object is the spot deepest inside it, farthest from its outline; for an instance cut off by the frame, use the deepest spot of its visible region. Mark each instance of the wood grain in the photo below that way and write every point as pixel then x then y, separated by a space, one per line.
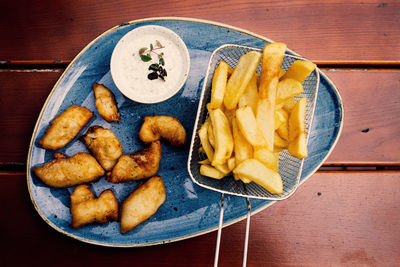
pixel 331 31
pixel 335 218
pixel 369 137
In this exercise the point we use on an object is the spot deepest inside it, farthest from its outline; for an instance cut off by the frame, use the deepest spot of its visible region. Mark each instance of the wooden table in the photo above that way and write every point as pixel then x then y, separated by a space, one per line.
pixel 347 213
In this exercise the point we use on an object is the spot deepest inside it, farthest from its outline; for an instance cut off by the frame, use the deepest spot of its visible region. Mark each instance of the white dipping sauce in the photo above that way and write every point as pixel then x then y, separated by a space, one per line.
pixel 130 73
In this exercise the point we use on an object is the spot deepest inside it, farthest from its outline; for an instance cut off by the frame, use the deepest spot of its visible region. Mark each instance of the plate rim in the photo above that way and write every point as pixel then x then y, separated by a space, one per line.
pixel 150 19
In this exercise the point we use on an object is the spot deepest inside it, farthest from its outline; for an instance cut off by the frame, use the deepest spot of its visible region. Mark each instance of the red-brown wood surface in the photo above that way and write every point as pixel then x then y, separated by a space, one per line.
pixel 369 137
pixel 333 219
pixel 333 31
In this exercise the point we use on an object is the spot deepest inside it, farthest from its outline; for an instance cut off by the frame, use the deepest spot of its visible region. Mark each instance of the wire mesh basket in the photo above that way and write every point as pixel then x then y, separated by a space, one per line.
pixel 289 167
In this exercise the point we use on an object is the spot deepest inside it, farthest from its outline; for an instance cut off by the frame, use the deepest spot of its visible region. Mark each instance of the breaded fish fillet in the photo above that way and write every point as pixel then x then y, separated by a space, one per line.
pixel 65 127
pixel 167 127
pixel 86 208
pixel 65 172
pixel 105 103
pixel 138 165
pixel 142 203
pixel 104 146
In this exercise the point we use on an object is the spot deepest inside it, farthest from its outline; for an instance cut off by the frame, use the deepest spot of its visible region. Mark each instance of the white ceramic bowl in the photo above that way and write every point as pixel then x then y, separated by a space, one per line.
pixel 130 72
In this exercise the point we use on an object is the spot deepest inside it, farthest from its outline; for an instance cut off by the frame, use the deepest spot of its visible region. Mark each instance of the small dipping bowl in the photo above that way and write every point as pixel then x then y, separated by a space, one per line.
pixel 130 73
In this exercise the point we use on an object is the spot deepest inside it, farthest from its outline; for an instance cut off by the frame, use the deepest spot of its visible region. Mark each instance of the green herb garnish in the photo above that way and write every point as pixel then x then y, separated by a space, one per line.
pixel 157 69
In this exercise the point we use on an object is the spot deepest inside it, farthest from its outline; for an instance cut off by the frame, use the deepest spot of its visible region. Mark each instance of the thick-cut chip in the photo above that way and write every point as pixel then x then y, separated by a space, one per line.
pixel 138 165
pixel 297 119
pixel 240 78
pixel 142 203
pixel 248 127
pixel 211 172
pixel 270 69
pixel 243 149
pixel 65 127
pixel 255 171
pixel 288 88
pixel 65 172
pixel 223 137
pixel 250 95
pixel 297 138
pixel 281 117
pixel 279 142
pixel 205 141
pixel 167 127
pixel 210 133
pixel 105 103
pixel 265 120
pixel 85 208
pixel 268 158
pixel 300 70
pixel 283 130
pixel 218 89
pixel 104 145
pixel 288 104
pixel 298 146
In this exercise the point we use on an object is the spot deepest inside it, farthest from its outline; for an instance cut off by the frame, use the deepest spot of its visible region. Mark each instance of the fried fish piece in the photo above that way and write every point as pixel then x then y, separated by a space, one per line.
pixel 65 127
pixel 105 103
pixel 104 146
pixel 142 203
pixel 138 165
pixel 167 127
pixel 65 172
pixel 86 208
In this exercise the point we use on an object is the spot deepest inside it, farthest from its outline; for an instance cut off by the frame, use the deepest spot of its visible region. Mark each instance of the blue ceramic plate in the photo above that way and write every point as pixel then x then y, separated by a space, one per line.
pixel 189 210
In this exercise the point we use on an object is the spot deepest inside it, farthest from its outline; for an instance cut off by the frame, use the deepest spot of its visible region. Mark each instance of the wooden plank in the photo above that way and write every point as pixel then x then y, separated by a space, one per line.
pixel 332 31
pixel 335 218
pixel 371 129
pixel 371 126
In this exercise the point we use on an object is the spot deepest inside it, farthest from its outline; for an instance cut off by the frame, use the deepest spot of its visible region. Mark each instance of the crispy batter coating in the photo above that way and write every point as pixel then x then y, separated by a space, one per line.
pixel 65 172
pixel 138 165
pixel 85 208
pixel 104 146
pixel 167 127
pixel 105 103
pixel 65 127
pixel 142 203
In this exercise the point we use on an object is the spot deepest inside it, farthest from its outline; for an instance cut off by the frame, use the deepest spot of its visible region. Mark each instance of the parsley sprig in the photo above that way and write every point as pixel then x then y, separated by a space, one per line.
pixel 158 71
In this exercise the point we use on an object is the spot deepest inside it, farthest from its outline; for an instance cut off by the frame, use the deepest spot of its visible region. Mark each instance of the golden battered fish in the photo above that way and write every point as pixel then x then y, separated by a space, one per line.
pixel 86 208
pixel 65 127
pixel 104 146
pixel 138 165
pixel 167 127
pixel 65 172
pixel 142 203
pixel 105 103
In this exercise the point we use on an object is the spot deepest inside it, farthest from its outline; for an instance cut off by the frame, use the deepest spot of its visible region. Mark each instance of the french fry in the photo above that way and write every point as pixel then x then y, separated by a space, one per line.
pixel 223 137
pixel 211 172
pixel 206 161
pixel 271 63
pixel 281 72
pixel 283 130
pixel 240 78
pixel 265 120
pixel 288 88
pixel 237 177
pixel 298 146
pixel 255 171
pixel 250 95
pixel 279 142
pixel 223 168
pixel 297 138
pixel 219 85
pixel 205 144
pixel 299 70
pixel 268 158
pixel 281 116
pixel 248 126
pixel 243 149
pixel 288 104
pixel 297 119
pixel 210 133
pixel 231 163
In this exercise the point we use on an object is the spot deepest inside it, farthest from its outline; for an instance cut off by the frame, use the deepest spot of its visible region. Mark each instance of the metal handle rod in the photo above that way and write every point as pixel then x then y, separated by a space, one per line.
pixel 221 219
pixel 246 239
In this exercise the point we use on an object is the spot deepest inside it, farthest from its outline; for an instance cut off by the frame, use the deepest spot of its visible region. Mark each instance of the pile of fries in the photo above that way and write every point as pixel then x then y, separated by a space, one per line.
pixel 254 116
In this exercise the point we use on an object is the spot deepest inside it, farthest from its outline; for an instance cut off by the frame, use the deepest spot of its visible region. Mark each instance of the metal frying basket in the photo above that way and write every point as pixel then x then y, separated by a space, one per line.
pixel 289 167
